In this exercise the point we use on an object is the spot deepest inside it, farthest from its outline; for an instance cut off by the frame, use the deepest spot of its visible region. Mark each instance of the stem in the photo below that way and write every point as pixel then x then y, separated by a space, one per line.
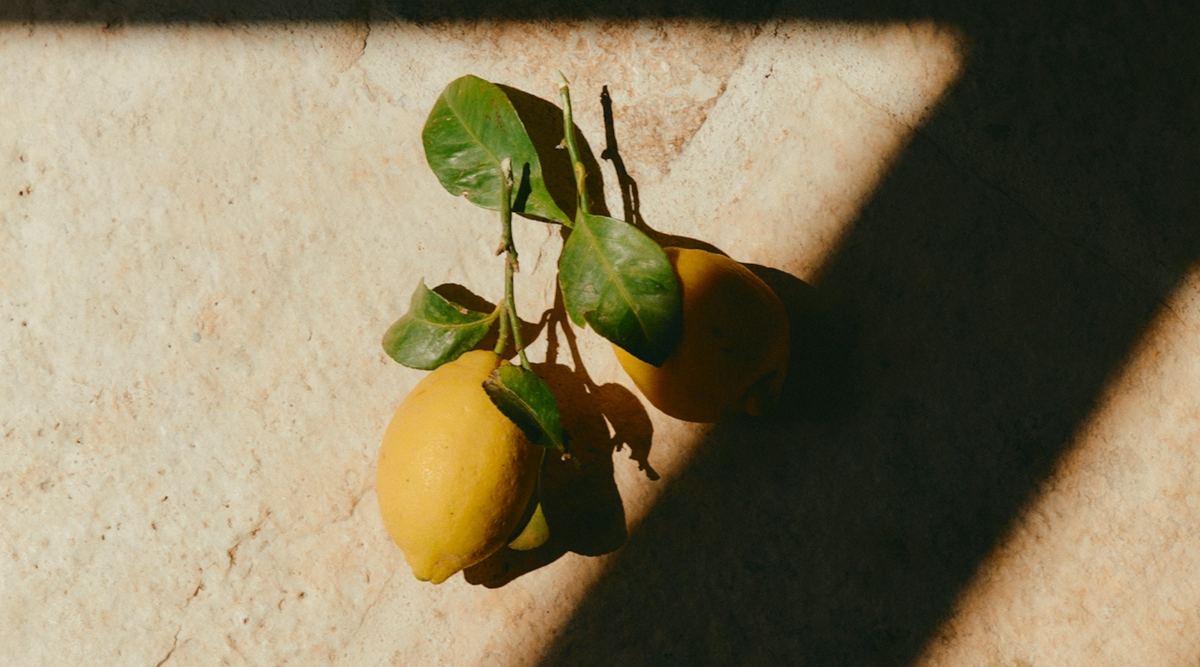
pixel 502 340
pixel 506 241
pixel 510 261
pixel 516 322
pixel 569 132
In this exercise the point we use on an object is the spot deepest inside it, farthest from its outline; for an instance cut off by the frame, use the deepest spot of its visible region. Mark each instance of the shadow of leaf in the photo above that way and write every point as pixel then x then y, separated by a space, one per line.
pixel 544 123
pixel 581 502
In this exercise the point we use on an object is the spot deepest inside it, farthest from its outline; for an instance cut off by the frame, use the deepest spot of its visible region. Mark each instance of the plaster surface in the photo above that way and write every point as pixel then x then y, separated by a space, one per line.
pixel 987 450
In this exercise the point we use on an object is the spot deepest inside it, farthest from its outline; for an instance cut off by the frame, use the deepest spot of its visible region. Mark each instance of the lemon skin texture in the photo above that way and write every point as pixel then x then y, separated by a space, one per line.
pixel 732 356
pixel 455 475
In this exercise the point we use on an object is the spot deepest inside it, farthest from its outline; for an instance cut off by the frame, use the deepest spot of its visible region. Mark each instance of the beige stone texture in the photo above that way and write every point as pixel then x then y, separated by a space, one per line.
pixel 986 454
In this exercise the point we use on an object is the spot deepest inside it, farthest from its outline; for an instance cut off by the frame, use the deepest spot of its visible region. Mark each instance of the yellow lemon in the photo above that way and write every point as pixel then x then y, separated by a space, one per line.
pixel 455 475
pixel 733 354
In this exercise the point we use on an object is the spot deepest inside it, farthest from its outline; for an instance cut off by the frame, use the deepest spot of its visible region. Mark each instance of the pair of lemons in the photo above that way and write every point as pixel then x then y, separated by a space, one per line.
pixel 456 477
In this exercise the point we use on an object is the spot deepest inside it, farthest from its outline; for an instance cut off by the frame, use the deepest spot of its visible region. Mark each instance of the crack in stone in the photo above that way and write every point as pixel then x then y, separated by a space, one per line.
pixel 358 501
pixel 865 99
pixel 373 603
pixel 199 587
pixel 372 90
pixel 174 644
pixel 349 515
pixel 237 650
pixel 365 38
pixel 231 552
pixel 711 104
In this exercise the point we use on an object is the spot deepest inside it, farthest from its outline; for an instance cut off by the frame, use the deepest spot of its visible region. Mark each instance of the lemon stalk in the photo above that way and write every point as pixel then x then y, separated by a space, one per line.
pixel 572 148
pixel 511 264
pixel 502 339
pixel 535 532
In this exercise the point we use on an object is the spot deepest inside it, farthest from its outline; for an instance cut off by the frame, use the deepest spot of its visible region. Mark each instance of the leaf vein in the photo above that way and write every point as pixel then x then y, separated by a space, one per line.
pixel 620 286
pixel 464 325
pixel 472 134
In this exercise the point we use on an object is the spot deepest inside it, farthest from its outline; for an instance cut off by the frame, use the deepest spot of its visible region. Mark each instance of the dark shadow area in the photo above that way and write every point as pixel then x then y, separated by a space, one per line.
pixel 947 352
pixel 998 16
pixel 957 339
pixel 579 498
pixel 117 12
pixel 465 297
pixel 818 387
pixel 840 533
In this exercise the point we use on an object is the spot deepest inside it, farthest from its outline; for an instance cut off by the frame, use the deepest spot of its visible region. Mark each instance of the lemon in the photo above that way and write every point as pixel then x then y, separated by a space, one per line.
pixel 733 353
pixel 455 475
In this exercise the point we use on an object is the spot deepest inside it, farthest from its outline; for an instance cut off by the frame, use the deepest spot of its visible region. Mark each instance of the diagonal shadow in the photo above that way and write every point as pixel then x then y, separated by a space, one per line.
pixel 997 280
pixel 999 277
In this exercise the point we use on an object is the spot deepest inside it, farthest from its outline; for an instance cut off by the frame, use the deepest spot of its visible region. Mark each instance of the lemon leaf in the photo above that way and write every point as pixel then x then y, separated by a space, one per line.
pixel 621 283
pixel 526 399
pixel 434 331
pixel 471 128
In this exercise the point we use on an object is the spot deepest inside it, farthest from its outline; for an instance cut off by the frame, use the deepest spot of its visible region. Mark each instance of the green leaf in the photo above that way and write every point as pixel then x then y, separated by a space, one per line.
pixel 471 128
pixel 526 399
pixel 619 281
pixel 434 331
